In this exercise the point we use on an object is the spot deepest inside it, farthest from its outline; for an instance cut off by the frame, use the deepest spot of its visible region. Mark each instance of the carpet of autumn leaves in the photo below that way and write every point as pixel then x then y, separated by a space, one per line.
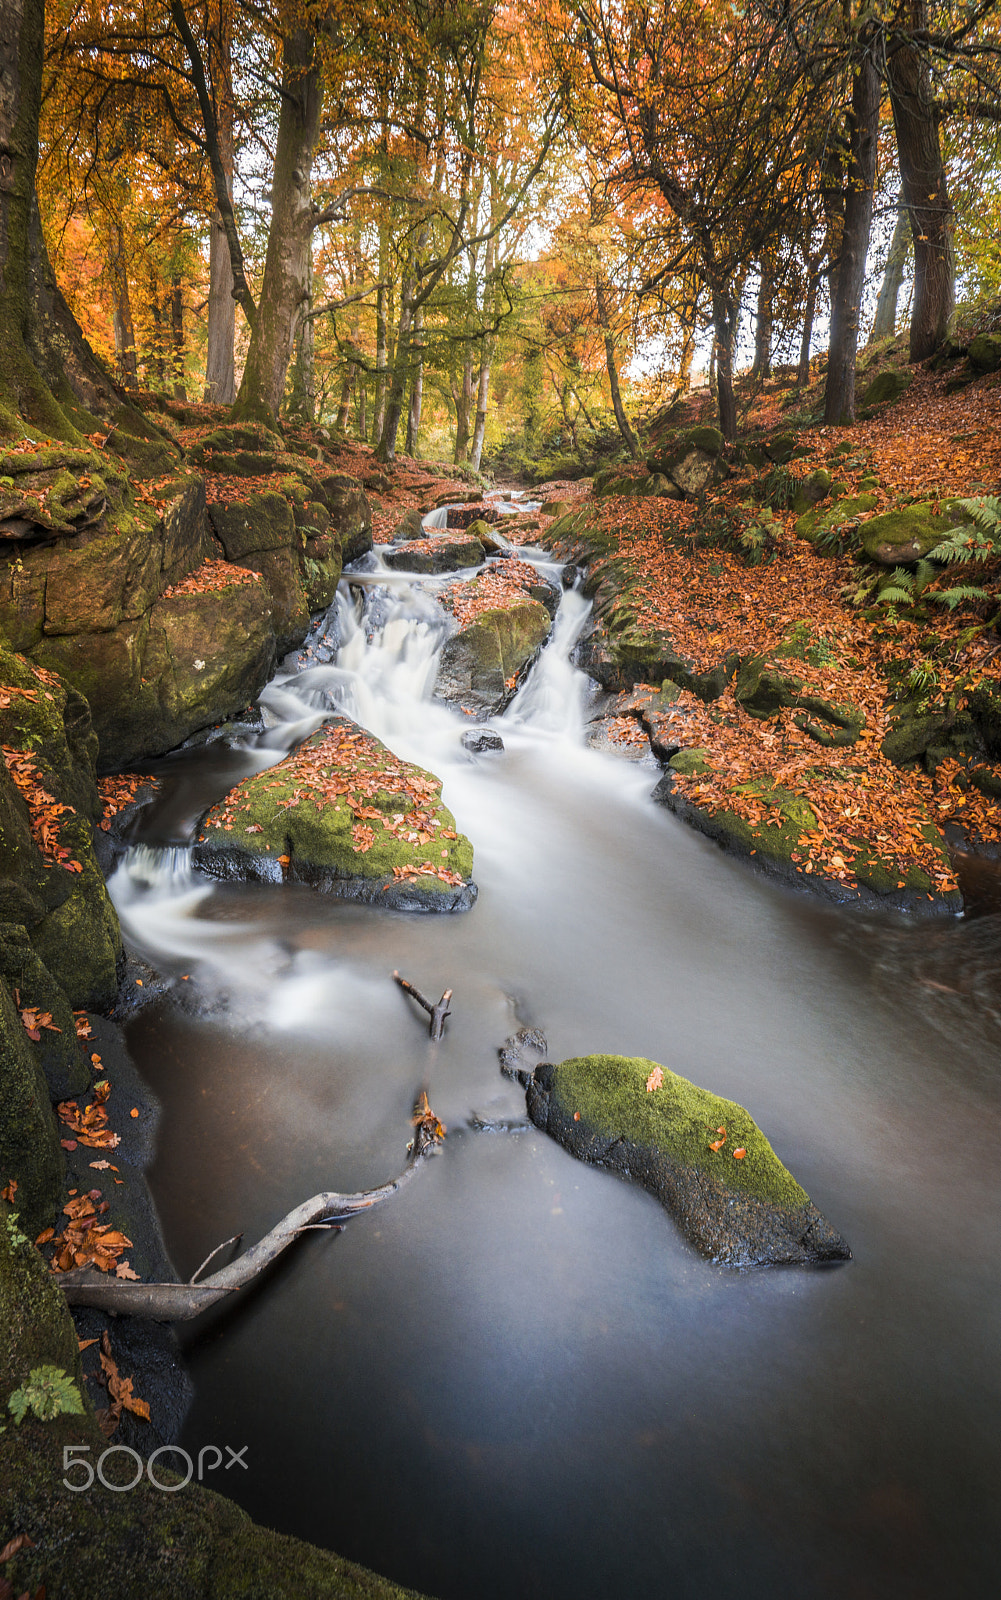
pixel 710 602
pixel 500 585
pixel 210 577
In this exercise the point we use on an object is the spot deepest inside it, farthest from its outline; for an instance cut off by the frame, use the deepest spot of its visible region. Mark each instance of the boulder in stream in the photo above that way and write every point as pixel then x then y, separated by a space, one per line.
pixel 344 815
pixel 704 1158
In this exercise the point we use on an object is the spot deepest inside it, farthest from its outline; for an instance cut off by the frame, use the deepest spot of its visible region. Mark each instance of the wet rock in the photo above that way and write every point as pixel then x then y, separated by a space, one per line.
pixel 480 740
pixel 410 526
pixel 345 816
pixel 436 555
pixel 29 1142
pixel 522 1053
pixel 744 1211
pixel 479 660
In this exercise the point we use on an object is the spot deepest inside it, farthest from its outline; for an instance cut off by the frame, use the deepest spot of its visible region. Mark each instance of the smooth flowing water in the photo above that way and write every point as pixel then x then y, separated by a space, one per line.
pixel 517 1379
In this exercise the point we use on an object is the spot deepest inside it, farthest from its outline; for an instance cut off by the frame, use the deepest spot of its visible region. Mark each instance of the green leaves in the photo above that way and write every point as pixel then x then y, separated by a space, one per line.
pixel 48 1393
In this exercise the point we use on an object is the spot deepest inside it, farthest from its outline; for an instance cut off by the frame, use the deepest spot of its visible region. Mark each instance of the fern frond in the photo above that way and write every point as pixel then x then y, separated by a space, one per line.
pixel 959 595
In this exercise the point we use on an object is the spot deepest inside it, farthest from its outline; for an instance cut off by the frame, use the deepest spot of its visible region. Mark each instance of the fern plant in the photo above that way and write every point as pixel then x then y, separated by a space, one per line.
pixel 49 1392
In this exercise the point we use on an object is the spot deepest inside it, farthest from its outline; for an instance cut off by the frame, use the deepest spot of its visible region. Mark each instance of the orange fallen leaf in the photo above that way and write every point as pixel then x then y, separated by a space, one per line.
pixel 655 1080
pixel 738 1155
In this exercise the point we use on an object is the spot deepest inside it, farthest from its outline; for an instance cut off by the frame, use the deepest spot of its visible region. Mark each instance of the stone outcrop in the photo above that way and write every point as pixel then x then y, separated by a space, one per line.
pixel 478 662
pixel 704 1157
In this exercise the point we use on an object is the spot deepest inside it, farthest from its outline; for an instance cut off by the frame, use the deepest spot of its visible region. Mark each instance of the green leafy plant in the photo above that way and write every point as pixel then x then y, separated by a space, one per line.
pixel 49 1392
pixel 14 1234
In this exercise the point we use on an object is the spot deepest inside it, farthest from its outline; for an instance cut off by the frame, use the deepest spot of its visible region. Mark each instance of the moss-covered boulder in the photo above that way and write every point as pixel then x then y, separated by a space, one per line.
pixel 446 553
pixel 689 461
pixel 204 651
pixel 704 1157
pixel 984 703
pixel 844 513
pixel 238 449
pixel 50 881
pixel 901 537
pixel 54 492
pixel 56 1047
pixel 478 662
pixel 346 816
pixel 179 1542
pixel 764 687
pixel 816 486
pixel 350 513
pixel 886 388
pixel 985 352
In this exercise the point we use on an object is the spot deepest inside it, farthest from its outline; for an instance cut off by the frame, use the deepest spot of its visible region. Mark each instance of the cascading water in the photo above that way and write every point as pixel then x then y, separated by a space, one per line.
pixel 518 1380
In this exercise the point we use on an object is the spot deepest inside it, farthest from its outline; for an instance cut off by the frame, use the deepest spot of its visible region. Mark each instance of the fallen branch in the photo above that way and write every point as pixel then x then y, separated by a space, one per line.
pixel 437 1011
pixel 177 1302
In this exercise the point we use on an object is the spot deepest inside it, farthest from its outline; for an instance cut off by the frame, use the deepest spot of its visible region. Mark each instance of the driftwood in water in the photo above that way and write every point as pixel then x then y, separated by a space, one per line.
pixel 437 1011
pixel 176 1302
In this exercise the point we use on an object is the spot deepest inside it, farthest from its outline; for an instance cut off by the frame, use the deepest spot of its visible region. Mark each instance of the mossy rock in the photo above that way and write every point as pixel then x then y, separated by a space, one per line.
pixel 243 448
pixel 984 703
pixel 985 352
pixel 901 537
pixel 781 448
pixel 58 491
pixel 261 522
pixel 307 820
pixel 886 388
pixel 478 662
pixel 29 1143
pixel 191 1544
pixel 930 736
pixel 59 894
pixel 438 555
pixel 987 780
pixel 410 526
pixel 57 1049
pixel 741 1211
pixel 690 763
pixel 812 489
pixel 812 525
pixel 350 513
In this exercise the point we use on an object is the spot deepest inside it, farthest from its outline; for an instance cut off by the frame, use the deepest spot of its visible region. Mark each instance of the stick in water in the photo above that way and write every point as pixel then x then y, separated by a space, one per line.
pixel 437 1011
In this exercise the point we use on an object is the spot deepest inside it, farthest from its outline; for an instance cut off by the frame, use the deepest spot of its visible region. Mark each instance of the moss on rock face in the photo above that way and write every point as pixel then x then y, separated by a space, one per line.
pixel 900 537
pixel 886 388
pixel 344 815
pixel 813 525
pixel 189 1544
pixel 479 661
pixel 50 881
pixel 29 1143
pixel 445 554
pixel 745 1210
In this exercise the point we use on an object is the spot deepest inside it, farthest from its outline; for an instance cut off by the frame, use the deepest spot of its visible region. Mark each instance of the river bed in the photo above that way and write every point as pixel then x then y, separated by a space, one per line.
pixel 517 1379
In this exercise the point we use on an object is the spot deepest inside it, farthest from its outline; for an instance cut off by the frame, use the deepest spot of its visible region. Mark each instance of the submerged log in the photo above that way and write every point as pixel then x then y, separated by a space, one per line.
pixel 177 1302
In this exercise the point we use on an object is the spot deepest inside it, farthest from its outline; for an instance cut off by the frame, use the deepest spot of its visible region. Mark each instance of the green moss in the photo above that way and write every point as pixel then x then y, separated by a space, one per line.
pixel 905 534
pixel 29 1143
pixel 886 388
pixel 279 813
pixel 689 763
pixel 678 1120
pixel 813 525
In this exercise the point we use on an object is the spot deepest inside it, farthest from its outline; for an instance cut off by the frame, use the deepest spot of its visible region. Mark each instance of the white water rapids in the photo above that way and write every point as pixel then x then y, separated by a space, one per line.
pixel 518 1380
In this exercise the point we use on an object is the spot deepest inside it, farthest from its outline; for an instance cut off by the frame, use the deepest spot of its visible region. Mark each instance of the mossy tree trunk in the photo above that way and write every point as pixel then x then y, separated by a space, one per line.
pixel 853 245
pixel 925 187
pixel 284 289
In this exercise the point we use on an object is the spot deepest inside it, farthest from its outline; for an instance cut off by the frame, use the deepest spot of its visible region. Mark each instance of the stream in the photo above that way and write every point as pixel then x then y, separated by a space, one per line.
pixel 518 1379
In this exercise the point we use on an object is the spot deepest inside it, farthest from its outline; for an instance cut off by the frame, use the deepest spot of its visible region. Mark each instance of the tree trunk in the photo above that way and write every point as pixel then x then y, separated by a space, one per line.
pixel 220 368
pixel 124 326
pixel 810 311
pixel 885 322
pixel 362 429
pixel 284 287
pixel 482 392
pixel 604 322
pixel 849 278
pixel 302 400
pixel 177 338
pixel 763 324
pixel 416 384
pixel 725 328
pixel 344 404
pixel 156 365
pixel 462 397
pixel 925 189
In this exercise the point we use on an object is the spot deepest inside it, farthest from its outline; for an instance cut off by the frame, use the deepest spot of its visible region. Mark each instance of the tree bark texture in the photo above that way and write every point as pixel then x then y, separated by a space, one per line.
pixel 220 367
pixel 604 322
pixel 925 189
pixel 284 287
pixel 849 275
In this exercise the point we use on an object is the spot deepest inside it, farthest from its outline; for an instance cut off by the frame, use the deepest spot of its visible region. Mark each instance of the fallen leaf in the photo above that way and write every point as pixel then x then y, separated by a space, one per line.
pixel 655 1080
pixel 738 1155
